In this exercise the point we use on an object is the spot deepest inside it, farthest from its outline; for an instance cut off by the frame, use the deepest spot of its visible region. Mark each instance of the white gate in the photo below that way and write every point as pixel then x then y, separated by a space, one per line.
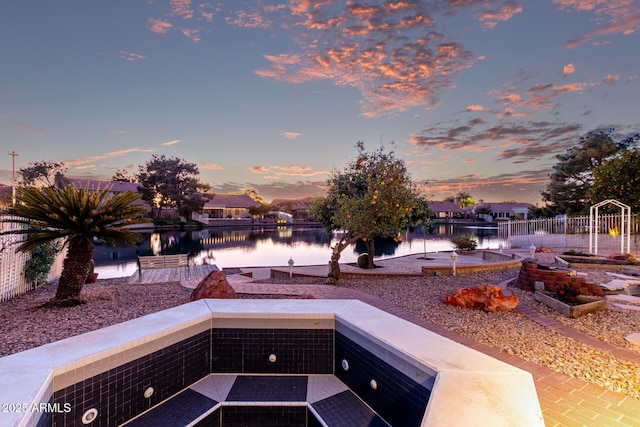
pixel 624 230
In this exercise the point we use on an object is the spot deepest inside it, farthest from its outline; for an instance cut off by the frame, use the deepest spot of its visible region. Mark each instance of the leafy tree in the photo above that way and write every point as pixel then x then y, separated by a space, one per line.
pixel 573 175
pixel 78 216
pixel 43 174
pixel 254 194
pixel 463 198
pixel 372 197
pixel 171 183
pixel 121 175
pixel 618 178
pixel 484 210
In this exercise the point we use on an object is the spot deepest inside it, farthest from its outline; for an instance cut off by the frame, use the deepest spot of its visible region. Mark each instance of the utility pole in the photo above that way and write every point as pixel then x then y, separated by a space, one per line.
pixel 13 155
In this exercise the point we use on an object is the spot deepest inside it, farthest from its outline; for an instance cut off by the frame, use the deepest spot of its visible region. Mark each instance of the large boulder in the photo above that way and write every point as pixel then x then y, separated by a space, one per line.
pixel 484 297
pixel 215 285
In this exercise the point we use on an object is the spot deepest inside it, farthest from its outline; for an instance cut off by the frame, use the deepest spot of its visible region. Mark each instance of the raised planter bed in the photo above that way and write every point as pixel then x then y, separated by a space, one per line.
pixel 598 260
pixel 590 304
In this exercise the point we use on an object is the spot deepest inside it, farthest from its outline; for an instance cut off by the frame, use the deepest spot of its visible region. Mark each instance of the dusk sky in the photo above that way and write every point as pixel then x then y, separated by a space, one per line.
pixel 478 95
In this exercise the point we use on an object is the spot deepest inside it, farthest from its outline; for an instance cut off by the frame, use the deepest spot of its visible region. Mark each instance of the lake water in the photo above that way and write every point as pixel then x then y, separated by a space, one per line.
pixel 269 246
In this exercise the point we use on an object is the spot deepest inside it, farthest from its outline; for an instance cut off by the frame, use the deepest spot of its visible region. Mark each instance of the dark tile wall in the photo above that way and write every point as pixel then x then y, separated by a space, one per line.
pixel 298 351
pixel 118 393
pixel 214 419
pixel 264 416
pixel 398 399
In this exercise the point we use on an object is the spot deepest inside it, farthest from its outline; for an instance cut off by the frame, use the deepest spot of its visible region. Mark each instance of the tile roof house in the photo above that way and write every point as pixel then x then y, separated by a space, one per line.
pixel 506 210
pixel 444 210
pixel 229 206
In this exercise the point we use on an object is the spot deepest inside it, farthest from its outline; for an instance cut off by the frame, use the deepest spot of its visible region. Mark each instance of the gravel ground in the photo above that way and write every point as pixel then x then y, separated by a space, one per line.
pixel 25 324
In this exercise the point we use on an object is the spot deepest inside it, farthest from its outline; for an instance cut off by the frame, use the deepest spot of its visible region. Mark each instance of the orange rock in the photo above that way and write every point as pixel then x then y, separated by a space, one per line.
pixel 486 297
pixel 215 285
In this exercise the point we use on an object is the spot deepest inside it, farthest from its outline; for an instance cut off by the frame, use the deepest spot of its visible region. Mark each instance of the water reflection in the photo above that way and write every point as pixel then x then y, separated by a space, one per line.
pixel 255 247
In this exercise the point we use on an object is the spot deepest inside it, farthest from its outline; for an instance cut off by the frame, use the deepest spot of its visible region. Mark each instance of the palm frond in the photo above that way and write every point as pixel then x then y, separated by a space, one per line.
pixel 50 213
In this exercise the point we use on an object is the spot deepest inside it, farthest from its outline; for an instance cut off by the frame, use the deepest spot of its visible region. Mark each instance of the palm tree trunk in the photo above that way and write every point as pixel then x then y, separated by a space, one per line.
pixel 74 272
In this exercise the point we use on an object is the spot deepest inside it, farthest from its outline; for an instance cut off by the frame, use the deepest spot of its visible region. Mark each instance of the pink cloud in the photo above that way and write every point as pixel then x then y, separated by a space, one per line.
pixel 614 17
pixel 568 69
pixel 391 52
pixel 173 142
pixel 290 135
pixel 130 56
pixel 181 8
pixel 159 26
pixel 212 166
pixel 186 18
pixel 191 34
pixel 258 169
pixel 246 19
pixel 29 129
pixel 475 108
pixel 491 18
pixel 289 170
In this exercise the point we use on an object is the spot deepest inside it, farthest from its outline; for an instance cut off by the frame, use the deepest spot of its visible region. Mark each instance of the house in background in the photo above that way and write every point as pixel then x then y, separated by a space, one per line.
pixel 228 206
pixel 298 208
pixel 502 211
pixel 6 194
pixel 448 210
pixel 505 210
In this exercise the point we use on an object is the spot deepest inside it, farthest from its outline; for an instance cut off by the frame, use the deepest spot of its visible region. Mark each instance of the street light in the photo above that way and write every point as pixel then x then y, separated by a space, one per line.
pixel 532 248
pixel 454 259
pixel 290 262
pixel 13 155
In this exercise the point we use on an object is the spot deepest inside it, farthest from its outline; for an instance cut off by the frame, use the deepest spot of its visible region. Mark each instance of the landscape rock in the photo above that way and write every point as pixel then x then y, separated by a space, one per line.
pixel 215 285
pixel 485 297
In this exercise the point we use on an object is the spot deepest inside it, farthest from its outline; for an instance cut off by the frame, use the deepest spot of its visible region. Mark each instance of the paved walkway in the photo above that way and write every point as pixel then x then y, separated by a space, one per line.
pixel 565 401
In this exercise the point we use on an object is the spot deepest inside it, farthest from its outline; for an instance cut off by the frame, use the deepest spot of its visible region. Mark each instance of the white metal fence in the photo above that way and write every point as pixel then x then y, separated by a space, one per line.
pixel 12 280
pixel 570 232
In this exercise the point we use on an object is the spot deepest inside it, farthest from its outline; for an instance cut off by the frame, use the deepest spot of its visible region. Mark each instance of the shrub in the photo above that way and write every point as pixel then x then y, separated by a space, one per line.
pixel 37 268
pixel 574 252
pixel 363 260
pixel 465 243
pixel 567 294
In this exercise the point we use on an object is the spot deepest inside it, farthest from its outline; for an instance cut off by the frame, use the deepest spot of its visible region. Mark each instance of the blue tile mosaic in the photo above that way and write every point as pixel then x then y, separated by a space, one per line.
pixel 296 351
pixel 118 394
pixel 398 399
pixel 268 389
pixel 347 410
pixel 264 416
pixel 180 410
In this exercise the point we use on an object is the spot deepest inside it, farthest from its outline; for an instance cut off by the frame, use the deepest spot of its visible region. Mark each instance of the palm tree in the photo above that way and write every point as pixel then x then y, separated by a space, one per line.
pixel 79 216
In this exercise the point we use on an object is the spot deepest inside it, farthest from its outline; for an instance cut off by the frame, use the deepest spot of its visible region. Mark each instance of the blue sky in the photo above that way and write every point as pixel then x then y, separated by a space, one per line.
pixel 478 95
